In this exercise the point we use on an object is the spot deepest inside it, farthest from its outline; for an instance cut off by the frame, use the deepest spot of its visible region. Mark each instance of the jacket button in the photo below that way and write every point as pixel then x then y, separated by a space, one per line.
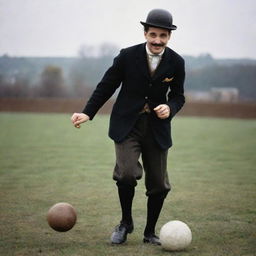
pixel 150 85
pixel 146 97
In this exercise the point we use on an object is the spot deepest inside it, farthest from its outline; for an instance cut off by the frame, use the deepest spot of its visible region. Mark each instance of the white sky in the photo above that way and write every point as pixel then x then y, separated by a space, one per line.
pixel 223 28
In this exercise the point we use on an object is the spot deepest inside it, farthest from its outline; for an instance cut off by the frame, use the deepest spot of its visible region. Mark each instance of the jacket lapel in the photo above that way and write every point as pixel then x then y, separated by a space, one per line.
pixel 142 60
pixel 165 65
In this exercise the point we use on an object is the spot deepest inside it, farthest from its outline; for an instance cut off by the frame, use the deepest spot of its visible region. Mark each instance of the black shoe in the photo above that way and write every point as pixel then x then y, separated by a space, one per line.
pixel 152 239
pixel 119 236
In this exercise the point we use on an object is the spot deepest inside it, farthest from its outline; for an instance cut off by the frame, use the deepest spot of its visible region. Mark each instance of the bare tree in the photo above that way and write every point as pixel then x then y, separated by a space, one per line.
pixel 108 50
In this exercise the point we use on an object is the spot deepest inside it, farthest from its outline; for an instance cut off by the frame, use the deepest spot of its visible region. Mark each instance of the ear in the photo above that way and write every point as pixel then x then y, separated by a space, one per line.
pixel 145 34
pixel 170 35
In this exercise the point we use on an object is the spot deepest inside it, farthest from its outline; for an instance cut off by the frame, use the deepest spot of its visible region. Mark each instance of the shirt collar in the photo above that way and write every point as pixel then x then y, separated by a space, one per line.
pixel 152 54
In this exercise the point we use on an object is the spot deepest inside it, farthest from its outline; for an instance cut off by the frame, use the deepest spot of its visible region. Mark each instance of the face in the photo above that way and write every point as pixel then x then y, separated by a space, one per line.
pixel 157 39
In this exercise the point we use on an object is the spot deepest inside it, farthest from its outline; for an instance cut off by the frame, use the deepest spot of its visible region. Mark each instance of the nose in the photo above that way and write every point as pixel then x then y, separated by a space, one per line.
pixel 157 40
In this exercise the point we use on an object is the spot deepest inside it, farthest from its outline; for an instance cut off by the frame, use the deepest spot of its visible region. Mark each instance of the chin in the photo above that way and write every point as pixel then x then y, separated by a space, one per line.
pixel 156 50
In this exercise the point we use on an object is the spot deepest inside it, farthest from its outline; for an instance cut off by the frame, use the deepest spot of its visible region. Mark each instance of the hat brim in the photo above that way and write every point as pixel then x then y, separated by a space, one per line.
pixel 173 27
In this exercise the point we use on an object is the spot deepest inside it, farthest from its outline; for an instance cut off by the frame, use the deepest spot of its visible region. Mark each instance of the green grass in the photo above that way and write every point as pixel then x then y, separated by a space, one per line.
pixel 44 160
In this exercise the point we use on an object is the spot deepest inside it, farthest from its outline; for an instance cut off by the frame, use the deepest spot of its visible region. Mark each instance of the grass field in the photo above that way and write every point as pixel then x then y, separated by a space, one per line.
pixel 44 160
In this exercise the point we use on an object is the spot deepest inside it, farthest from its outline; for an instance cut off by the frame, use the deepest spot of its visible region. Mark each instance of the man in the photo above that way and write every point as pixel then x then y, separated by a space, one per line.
pixel 151 76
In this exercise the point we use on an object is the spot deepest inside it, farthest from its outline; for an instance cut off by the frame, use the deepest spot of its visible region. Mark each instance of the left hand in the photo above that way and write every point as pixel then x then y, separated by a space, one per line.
pixel 79 118
pixel 162 111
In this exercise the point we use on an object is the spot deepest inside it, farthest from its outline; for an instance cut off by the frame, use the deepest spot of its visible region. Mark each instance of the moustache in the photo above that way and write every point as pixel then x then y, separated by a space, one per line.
pixel 158 45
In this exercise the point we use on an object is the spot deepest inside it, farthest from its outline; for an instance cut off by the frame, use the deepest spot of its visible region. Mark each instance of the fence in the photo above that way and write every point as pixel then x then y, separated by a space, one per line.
pixel 225 110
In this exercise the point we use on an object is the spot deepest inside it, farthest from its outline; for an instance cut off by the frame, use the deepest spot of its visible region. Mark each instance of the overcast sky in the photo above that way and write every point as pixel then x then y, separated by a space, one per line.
pixel 223 28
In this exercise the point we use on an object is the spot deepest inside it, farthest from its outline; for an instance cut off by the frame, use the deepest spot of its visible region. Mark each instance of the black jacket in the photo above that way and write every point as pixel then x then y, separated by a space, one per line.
pixel 130 70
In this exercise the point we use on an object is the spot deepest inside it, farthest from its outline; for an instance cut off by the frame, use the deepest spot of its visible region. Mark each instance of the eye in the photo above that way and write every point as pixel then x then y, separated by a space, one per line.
pixel 163 36
pixel 152 35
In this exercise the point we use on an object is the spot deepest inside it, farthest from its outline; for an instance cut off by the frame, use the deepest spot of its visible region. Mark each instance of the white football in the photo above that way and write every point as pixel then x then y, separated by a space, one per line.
pixel 175 235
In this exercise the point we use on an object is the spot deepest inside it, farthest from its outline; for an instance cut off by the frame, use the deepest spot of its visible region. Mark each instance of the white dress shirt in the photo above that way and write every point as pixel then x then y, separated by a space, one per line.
pixel 153 59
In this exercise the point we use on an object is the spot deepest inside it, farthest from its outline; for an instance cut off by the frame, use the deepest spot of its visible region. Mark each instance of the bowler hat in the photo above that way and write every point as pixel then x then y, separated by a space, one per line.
pixel 159 18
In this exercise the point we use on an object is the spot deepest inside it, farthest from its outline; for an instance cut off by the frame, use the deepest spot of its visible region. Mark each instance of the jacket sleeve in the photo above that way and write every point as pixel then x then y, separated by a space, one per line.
pixel 176 97
pixel 106 87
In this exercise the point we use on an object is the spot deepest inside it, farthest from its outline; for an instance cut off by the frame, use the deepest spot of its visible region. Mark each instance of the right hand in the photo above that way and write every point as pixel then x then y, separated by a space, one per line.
pixel 78 118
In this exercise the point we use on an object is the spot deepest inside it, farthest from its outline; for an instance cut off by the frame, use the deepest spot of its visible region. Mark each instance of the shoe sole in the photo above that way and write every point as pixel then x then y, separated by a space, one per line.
pixel 146 241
